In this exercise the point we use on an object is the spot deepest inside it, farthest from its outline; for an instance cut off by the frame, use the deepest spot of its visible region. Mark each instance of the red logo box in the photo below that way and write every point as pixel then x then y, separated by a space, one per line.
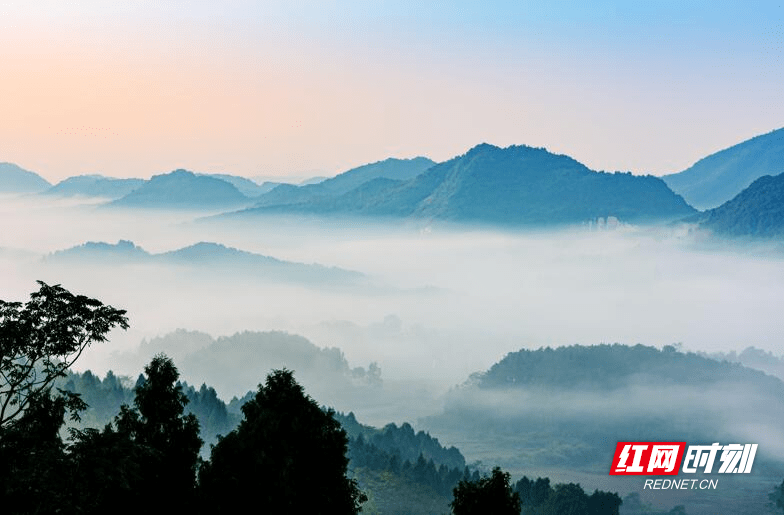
pixel 647 458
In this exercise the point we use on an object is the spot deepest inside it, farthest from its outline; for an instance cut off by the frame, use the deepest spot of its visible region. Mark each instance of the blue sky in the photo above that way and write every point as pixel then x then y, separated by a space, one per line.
pixel 274 87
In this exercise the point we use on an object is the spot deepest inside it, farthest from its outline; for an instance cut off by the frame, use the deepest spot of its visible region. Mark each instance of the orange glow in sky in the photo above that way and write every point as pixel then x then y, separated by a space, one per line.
pixel 295 88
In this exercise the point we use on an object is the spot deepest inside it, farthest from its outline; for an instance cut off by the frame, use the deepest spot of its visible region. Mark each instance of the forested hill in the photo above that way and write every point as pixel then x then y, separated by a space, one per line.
pixel 105 396
pixel 513 186
pixel 182 189
pixel 216 417
pixel 403 439
pixel 402 470
pixel 610 367
pixel 563 405
pixel 757 211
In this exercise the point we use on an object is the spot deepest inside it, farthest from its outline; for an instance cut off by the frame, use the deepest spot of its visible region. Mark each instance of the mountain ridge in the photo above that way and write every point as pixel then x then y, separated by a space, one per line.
pixel 94 186
pixel 720 176
pixel 516 186
pixel 757 211
pixel 390 168
pixel 15 179
pixel 214 256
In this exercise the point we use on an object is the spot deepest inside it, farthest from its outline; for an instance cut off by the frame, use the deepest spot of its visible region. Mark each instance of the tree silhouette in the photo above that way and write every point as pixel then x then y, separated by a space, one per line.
pixel 41 339
pixel 33 465
pixel 491 494
pixel 287 456
pixel 169 438
pixel 604 503
pixel 567 499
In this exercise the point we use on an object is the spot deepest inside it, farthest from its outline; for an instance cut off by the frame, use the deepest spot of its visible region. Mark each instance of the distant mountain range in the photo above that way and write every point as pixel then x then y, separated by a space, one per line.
pixel 517 185
pixel 14 179
pixel 94 186
pixel 213 256
pixel 184 189
pixel 113 188
pixel 513 186
pixel 715 179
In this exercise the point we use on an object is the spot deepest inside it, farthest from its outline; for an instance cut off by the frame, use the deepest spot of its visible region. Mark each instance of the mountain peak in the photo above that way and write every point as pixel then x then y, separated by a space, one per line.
pixel 179 172
pixel 15 179
pixel 183 189
pixel 757 211
pixel 482 147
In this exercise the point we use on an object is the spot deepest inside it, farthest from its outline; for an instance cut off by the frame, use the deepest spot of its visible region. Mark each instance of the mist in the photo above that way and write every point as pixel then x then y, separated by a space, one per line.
pixel 435 303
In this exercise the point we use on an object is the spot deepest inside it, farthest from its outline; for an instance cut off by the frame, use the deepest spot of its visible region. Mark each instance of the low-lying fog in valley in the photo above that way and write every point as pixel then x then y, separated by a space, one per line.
pixel 390 320
pixel 434 303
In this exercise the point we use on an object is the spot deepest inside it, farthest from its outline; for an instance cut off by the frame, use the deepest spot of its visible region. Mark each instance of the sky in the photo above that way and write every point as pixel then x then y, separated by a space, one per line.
pixel 269 88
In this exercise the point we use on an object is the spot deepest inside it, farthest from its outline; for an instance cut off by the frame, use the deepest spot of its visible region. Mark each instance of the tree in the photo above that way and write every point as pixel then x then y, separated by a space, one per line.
pixel 287 456
pixel 777 496
pixel 491 494
pixel 106 469
pixel 169 438
pixel 41 339
pixel 604 503
pixel 33 466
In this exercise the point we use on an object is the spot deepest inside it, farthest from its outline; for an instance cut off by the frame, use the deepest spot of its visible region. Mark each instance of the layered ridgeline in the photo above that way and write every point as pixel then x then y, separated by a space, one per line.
pixel 162 190
pixel 717 178
pixel 517 185
pixel 215 361
pixel 391 169
pixel 232 363
pixel 94 186
pixel 14 179
pixel 757 211
pixel 210 256
pixel 569 405
pixel 245 186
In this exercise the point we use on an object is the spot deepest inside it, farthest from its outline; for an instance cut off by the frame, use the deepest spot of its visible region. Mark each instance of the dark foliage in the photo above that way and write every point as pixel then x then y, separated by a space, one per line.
pixel 287 455
pixel 539 498
pixel 613 367
pixel 33 465
pixel 777 497
pixel 404 441
pixel 757 211
pixel 104 398
pixel 41 339
pixel 423 471
pixel 490 494
pixel 170 438
pixel 108 471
